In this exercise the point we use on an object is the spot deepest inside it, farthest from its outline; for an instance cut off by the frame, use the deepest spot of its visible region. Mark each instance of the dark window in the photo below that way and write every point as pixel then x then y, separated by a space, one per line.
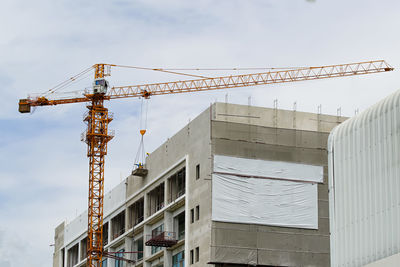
pixel 83 248
pixel 197 254
pixel 178 260
pixel 119 263
pixel 156 199
pixel 136 213
pixel 63 257
pixel 192 216
pixel 177 183
pixel 191 257
pixel 180 225
pixel 197 212
pixel 105 234
pixel 197 171
pixel 72 256
pixel 118 225
pixel 139 247
pixel 155 232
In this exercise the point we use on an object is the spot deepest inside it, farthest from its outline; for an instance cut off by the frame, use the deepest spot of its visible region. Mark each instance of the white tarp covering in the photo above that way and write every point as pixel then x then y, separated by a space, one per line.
pixel 244 199
pixel 268 169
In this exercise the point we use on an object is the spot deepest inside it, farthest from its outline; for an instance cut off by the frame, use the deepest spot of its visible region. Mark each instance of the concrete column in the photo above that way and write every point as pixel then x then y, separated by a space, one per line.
pixel 146 206
pixel 146 249
pixel 168 227
pixel 167 191
pixel 128 248
pixel 167 258
pixel 127 217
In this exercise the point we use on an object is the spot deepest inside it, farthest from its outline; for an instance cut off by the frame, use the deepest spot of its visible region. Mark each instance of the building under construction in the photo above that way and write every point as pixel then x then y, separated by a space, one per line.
pixel 238 186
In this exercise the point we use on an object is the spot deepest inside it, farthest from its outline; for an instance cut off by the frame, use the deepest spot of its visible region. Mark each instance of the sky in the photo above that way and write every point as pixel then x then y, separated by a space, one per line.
pixel 43 164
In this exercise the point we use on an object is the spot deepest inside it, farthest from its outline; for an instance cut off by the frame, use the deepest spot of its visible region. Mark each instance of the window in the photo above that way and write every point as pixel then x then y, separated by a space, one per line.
pixel 180 225
pixel 178 260
pixel 156 199
pixel 104 263
pixel 191 257
pixel 62 257
pixel 197 212
pixel 176 183
pixel 136 213
pixel 83 248
pixel 118 225
pixel 197 171
pixel 72 256
pixel 119 263
pixel 105 234
pixel 197 254
pixel 155 232
pixel 192 216
pixel 139 248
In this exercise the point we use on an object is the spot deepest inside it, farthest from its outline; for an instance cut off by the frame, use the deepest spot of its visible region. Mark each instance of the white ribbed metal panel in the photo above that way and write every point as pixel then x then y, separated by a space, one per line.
pixel 364 185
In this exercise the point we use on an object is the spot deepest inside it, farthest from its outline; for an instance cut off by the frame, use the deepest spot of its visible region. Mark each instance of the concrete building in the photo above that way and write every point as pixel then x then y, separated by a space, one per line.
pixel 237 186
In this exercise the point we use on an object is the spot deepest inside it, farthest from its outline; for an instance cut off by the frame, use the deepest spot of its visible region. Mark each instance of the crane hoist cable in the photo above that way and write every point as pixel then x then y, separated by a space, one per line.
pixel 140 159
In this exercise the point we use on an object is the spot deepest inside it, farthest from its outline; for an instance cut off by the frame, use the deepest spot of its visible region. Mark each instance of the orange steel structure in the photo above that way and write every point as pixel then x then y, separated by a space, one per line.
pixel 98 118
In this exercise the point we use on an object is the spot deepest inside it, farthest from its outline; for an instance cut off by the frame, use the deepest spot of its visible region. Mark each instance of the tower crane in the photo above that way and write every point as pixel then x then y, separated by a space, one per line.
pixel 97 117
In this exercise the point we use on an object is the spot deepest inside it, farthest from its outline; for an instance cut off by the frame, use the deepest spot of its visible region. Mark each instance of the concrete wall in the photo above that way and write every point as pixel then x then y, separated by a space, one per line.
pixel 58 244
pixel 191 144
pixel 239 131
pixel 301 138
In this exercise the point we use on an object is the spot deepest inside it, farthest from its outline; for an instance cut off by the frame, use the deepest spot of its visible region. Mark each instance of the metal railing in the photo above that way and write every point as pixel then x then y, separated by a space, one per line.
pixel 163 239
pixel 175 196
pixel 118 233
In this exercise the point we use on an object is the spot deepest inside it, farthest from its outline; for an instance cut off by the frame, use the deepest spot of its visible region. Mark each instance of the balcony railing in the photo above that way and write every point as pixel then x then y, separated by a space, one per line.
pixel 138 220
pixel 163 239
pixel 175 196
pixel 118 233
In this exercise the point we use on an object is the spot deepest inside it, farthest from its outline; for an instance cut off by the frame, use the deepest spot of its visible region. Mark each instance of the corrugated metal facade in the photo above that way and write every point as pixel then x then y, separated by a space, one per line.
pixel 364 185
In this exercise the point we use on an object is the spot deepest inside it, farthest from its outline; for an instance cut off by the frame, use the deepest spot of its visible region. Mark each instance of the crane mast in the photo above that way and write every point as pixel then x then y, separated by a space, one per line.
pixel 97 119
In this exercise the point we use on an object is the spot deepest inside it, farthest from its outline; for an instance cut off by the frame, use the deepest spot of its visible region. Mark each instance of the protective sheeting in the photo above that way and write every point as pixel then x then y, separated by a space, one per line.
pixel 264 201
pixel 268 169
pixel 364 185
pixel 241 198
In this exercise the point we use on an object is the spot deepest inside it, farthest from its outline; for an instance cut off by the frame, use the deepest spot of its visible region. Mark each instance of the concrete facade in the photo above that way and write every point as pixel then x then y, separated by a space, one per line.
pixel 223 129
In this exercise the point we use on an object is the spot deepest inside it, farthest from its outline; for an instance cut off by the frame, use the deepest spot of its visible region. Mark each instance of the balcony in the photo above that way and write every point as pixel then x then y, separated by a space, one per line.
pixel 163 239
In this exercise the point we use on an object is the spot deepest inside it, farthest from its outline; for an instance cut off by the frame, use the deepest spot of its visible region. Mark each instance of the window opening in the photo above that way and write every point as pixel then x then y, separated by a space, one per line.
pixel 105 234
pixel 119 263
pixel 191 257
pixel 83 248
pixel 197 171
pixel 178 260
pixel 72 256
pixel 197 212
pixel 197 254
pixel 177 184
pixel 136 213
pixel 156 199
pixel 118 225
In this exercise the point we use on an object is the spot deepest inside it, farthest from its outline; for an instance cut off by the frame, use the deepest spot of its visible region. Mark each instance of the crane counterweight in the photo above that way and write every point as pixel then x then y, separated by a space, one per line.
pixel 24 106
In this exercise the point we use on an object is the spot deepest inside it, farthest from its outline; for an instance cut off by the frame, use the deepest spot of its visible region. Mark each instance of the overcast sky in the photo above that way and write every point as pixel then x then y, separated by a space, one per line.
pixel 43 164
